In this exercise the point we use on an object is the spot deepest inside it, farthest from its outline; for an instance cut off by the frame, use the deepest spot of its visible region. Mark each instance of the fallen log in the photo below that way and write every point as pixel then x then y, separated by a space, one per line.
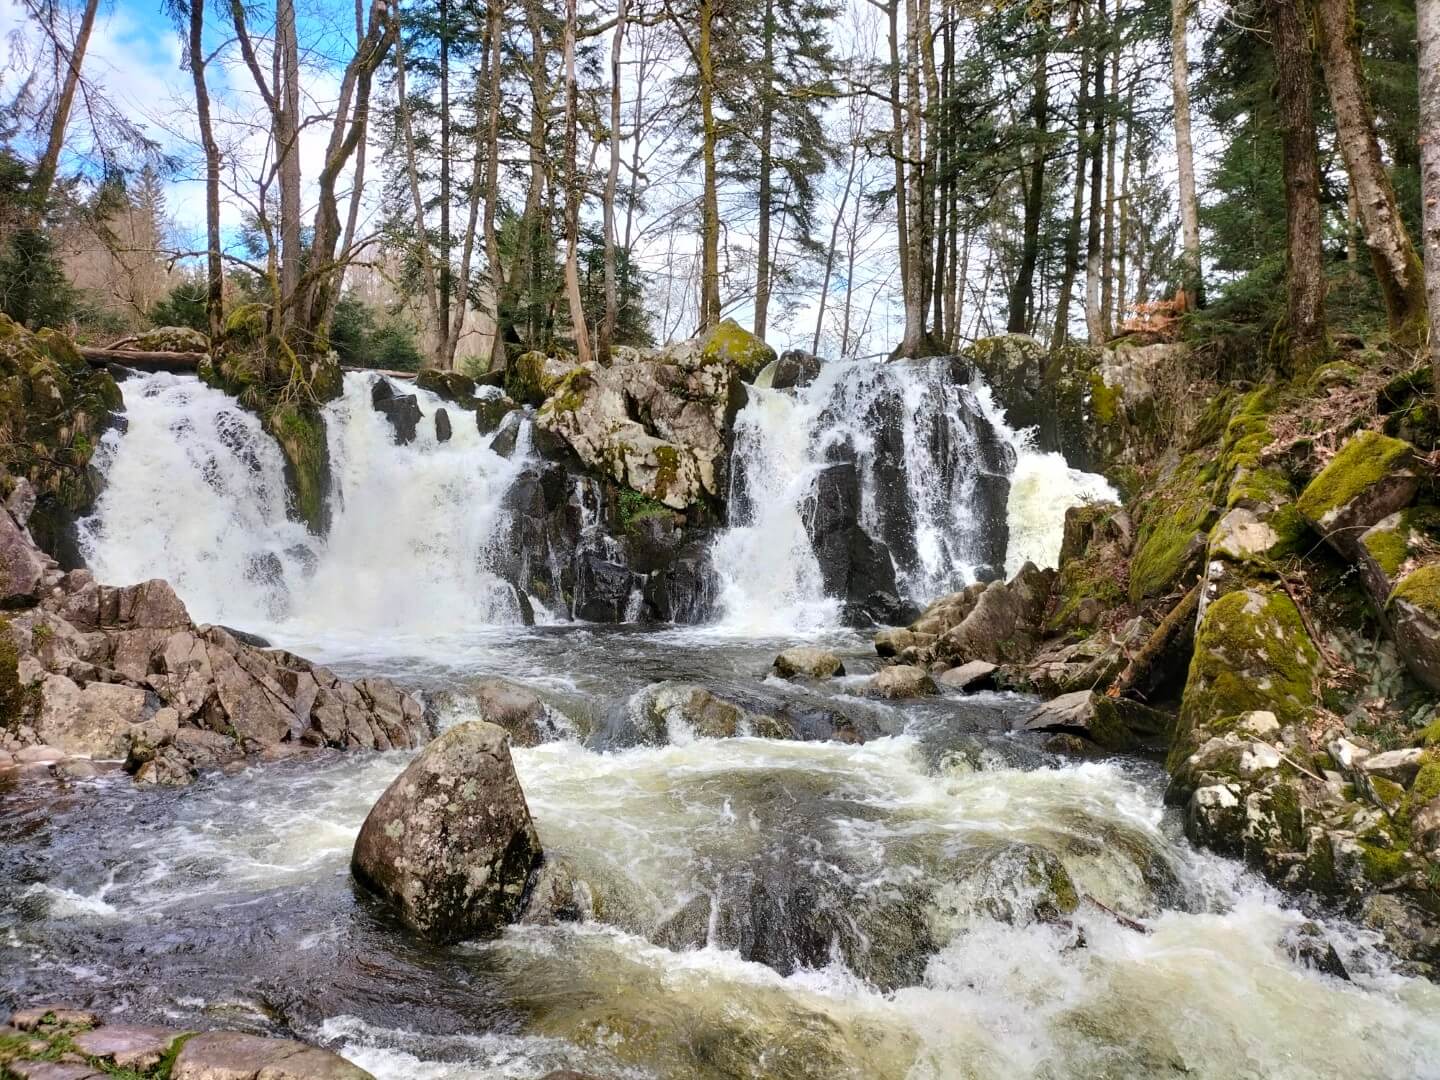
pixel 142 361
pixel 1169 629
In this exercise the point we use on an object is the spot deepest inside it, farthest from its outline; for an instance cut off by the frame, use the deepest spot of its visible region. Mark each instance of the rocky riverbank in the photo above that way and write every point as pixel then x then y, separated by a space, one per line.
pixel 1262 610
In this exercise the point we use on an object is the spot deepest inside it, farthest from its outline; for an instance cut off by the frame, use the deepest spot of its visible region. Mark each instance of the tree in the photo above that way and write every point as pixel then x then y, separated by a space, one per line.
pixel 1397 266
pixel 1184 148
pixel 1428 26
pixel 1304 268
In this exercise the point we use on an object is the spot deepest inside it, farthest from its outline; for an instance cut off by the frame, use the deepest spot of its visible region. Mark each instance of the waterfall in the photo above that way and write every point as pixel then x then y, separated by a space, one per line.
pixel 1042 488
pixel 876 477
pixel 195 493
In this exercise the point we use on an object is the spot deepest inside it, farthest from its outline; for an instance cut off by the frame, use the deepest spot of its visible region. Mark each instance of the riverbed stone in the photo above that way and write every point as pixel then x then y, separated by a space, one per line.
pixel 230 1055
pixel 901 681
pixel 970 677
pixel 807 661
pixel 1114 723
pixel 450 844
pixel 515 708
pixel 138 1048
pixel 1016 883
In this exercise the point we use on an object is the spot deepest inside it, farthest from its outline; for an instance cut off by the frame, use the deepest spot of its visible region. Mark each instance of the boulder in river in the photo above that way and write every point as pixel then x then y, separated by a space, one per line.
pixel 401 410
pixel 809 662
pixel 901 681
pixel 450 844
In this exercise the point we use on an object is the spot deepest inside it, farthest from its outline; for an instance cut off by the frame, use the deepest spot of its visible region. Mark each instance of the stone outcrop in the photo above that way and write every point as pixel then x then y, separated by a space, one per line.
pixel 450 844
pixel 53 410
pixel 123 674
pixel 658 425
pixel 1113 723
pixel 57 1042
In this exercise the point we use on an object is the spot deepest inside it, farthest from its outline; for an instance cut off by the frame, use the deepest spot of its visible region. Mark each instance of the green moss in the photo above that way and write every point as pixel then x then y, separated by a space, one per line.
pixel 1104 399
pixel 635 508
pixel 1388 548
pixel 1420 587
pixel 246 324
pixel 1174 514
pixel 1335 373
pixel 669 459
pixel 1427 782
pixel 1382 865
pixel 13 698
pixel 732 344
pixel 1361 463
pixel 301 435
pixel 1251 653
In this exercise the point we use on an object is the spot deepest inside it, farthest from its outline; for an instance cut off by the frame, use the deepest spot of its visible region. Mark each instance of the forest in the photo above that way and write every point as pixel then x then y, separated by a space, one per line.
pixel 448 184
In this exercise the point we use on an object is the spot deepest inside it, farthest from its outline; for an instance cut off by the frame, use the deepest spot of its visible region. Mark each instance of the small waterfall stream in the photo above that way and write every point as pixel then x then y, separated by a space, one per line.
pixel 195 493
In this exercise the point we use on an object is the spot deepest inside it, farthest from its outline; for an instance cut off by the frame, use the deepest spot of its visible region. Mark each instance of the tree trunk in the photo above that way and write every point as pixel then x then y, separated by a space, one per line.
pixel 1185 150
pixel 1304 266
pixel 429 284
pixel 1107 241
pixel 214 269
pixel 897 145
pixel 1427 14
pixel 572 196
pixel 1397 266
pixel 1122 254
pixel 493 29
pixel 916 340
pixel 710 206
pixel 443 284
pixel 766 194
pixel 834 240
pixel 49 164
pixel 287 149
pixel 1071 266
pixel 1022 291
pixel 1093 323
pixel 612 183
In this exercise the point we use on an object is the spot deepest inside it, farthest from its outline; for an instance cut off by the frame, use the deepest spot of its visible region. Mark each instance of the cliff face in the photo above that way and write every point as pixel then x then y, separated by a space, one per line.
pixel 1271 582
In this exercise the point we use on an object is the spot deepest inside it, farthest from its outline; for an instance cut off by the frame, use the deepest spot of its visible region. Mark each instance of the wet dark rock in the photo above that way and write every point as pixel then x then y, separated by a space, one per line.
pixel 1114 723
pixel 442 425
pixel 795 368
pixel 450 844
pixel 1014 883
pixel 1308 946
pixel 515 708
pixel 402 412
pixel 602 589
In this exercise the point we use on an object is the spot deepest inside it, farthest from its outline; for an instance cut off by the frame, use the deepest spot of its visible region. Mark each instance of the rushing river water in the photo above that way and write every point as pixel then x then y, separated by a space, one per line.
pixel 763 908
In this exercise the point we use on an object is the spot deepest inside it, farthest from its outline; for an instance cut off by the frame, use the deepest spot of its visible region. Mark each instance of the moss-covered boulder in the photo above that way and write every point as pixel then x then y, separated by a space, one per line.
pixel 534 376
pixel 1396 545
pixel 733 345
pixel 170 339
pixel 1113 723
pixel 53 409
pixel 1414 612
pixel 1252 653
pixel 1174 520
pixel 1372 477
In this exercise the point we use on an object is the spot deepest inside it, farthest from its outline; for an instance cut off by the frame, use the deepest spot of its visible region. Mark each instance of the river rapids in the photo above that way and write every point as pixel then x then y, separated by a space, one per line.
pixel 763 908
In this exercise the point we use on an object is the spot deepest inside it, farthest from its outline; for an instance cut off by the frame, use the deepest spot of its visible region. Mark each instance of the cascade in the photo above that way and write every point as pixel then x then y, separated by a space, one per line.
pixel 195 493
pixel 913 453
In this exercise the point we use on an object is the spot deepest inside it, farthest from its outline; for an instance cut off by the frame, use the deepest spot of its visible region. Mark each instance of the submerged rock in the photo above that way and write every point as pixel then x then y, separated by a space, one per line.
pixel 515 708
pixel 1014 883
pixel 450 844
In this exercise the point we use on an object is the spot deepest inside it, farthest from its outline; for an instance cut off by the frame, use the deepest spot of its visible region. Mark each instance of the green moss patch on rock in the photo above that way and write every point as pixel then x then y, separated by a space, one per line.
pixel 730 343
pixel 301 435
pixel 53 409
pixel 1366 461
pixel 1252 653
pixel 1170 543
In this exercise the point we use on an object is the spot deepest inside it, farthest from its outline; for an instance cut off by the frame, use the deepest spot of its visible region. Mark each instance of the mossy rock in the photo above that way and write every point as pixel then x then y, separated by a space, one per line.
pixel 1252 653
pixel 452 386
pixel 171 339
pixel 1170 544
pixel 1371 477
pixel 54 407
pixel 730 343
pixel 1335 373
pixel 533 376
pixel 301 435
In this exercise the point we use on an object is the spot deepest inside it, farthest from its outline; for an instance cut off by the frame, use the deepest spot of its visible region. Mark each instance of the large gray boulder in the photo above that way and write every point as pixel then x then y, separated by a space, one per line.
pixel 450 844
pixel 22 566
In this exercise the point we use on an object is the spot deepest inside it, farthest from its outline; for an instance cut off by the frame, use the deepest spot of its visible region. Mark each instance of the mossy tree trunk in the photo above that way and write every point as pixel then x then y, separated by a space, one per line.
pixel 1397 266
pixel 1304 266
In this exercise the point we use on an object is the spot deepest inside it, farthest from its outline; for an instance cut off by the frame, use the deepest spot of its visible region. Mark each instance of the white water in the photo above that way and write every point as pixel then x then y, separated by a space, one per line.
pixel 770 579
pixel 1042 488
pixel 195 493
